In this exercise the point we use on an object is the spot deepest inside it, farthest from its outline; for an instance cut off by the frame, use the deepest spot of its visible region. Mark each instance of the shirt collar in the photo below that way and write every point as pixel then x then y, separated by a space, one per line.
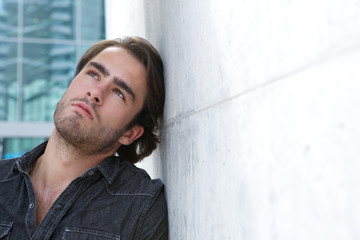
pixel 109 168
pixel 25 163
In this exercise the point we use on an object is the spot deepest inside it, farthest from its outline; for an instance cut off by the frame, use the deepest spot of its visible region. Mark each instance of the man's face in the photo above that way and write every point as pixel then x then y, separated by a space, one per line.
pixel 101 100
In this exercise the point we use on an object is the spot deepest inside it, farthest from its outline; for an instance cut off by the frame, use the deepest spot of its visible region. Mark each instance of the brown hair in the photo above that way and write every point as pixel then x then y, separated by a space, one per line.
pixel 153 106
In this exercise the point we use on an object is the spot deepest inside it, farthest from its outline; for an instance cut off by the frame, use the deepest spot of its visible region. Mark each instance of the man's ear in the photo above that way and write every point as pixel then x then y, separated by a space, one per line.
pixel 131 135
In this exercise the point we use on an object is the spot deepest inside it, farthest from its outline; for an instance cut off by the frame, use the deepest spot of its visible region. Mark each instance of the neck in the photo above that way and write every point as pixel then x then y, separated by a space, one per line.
pixel 62 162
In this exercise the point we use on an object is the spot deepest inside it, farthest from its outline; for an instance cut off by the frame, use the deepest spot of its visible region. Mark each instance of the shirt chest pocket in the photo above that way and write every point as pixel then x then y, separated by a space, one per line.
pixel 5 228
pixel 73 233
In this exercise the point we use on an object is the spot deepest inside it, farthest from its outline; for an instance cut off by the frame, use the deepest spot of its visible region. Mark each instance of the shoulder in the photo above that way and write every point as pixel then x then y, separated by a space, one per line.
pixel 154 214
pixel 7 169
pixel 135 181
pixel 145 196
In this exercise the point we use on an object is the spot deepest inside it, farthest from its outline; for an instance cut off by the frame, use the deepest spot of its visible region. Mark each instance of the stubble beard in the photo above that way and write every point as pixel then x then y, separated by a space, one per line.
pixel 87 141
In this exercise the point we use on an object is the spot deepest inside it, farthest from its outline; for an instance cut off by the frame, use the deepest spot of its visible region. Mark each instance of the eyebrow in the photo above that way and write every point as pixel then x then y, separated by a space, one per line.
pixel 117 81
pixel 101 68
pixel 120 83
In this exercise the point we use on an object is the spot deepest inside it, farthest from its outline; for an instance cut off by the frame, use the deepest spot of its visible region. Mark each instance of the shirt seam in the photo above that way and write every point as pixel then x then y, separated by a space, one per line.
pixel 143 213
pixel 126 194
pixel 137 170
pixel 7 180
pixel 146 208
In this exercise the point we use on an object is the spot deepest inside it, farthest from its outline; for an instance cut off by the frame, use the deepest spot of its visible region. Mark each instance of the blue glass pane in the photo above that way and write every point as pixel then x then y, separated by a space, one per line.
pixel 92 20
pixel 8 18
pixel 44 19
pixel 47 71
pixel 8 81
pixel 15 147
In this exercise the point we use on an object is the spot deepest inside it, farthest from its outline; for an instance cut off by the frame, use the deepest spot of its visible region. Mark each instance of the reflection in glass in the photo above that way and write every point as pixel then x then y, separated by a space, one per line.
pixel 15 147
pixel 8 83
pixel 8 18
pixel 92 23
pixel 49 20
pixel 47 71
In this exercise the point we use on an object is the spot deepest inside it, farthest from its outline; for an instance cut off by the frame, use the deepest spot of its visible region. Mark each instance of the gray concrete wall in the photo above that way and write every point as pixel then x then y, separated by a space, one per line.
pixel 261 133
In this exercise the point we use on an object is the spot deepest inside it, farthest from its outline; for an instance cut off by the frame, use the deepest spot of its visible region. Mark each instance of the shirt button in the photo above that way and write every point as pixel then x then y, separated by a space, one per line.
pixel 91 173
pixel 31 205
pixel 59 206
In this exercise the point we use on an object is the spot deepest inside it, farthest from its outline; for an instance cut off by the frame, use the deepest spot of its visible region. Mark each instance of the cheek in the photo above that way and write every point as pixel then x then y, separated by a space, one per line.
pixel 75 87
pixel 118 116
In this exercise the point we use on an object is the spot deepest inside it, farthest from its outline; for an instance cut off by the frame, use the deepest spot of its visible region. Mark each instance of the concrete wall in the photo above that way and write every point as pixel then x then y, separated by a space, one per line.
pixel 261 132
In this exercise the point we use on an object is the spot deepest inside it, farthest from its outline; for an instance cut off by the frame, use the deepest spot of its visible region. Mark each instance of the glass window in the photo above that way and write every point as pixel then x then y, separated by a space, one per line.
pixel 8 18
pixel 44 19
pixel 92 23
pixel 8 83
pixel 15 147
pixel 47 71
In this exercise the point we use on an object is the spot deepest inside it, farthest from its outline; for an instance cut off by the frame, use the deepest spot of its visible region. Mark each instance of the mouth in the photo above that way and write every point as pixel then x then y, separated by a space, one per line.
pixel 83 109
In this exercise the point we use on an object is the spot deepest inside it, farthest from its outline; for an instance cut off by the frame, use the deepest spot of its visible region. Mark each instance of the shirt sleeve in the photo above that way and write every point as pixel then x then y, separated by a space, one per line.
pixel 154 224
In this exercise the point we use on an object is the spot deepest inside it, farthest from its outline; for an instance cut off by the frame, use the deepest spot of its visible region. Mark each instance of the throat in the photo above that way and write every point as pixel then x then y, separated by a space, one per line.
pixel 45 198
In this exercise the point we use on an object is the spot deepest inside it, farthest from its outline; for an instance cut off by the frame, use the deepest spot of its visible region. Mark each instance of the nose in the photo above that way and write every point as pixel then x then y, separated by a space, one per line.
pixel 95 95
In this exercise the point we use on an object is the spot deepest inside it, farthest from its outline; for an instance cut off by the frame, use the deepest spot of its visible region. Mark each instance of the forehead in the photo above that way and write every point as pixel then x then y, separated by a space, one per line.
pixel 118 55
pixel 122 65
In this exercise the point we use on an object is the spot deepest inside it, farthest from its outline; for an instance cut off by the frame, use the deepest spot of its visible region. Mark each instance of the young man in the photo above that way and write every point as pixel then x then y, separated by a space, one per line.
pixel 72 186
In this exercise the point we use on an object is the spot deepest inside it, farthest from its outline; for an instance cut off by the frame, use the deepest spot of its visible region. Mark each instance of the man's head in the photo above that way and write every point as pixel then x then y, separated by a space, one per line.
pixel 143 123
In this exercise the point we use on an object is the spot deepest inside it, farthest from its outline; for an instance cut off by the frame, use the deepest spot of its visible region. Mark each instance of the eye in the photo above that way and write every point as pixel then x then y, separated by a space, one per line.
pixel 93 75
pixel 119 93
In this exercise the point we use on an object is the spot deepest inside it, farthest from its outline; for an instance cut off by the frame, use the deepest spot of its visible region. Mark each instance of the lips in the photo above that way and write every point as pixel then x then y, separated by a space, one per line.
pixel 83 109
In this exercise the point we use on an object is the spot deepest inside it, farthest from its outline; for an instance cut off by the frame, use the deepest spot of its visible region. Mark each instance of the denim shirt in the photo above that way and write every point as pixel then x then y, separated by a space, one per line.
pixel 114 200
